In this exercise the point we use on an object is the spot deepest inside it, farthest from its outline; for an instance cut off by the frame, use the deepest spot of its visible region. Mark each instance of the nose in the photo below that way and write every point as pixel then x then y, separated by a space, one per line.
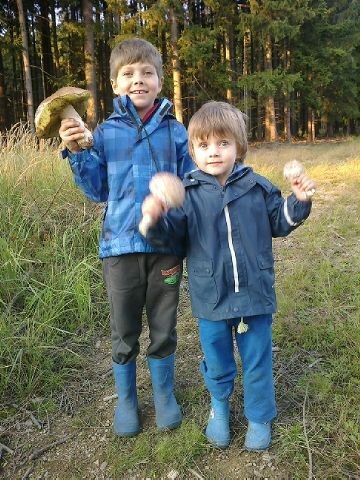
pixel 213 150
pixel 137 78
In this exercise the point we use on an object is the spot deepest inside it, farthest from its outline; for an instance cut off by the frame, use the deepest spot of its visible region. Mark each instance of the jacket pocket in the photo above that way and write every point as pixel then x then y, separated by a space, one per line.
pixel 202 282
pixel 265 262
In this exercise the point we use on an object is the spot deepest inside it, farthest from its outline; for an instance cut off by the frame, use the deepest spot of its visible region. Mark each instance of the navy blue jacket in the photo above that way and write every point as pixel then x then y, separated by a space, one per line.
pixel 118 168
pixel 227 235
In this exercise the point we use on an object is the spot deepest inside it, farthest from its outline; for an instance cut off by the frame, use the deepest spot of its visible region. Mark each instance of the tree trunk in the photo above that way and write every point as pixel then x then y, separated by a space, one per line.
pixel 245 72
pixel 311 125
pixel 176 67
pixel 287 110
pixel 287 118
pixel 90 71
pixel 26 62
pixel 229 96
pixel 54 39
pixel 47 64
pixel 270 120
pixel 3 119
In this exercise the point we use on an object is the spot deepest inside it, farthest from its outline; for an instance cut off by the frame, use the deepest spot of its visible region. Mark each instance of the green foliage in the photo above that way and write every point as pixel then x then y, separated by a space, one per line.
pixel 266 84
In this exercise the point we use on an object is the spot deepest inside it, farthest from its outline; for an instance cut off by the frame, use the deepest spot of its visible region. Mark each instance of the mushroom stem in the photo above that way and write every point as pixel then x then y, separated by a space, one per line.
pixel 70 112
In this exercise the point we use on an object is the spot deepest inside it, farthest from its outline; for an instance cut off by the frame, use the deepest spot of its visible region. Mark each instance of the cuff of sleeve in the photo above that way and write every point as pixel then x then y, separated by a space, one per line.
pixel 65 153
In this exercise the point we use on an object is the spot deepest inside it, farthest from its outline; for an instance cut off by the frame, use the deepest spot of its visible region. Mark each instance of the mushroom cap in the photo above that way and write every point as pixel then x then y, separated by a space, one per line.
pixel 169 188
pixel 293 169
pixel 47 115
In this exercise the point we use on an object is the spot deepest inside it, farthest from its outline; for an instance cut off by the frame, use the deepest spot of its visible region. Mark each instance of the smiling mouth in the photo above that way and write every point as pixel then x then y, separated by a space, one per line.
pixel 139 92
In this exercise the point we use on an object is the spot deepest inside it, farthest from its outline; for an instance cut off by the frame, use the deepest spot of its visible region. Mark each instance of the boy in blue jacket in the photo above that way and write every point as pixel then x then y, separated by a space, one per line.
pixel 140 138
pixel 226 224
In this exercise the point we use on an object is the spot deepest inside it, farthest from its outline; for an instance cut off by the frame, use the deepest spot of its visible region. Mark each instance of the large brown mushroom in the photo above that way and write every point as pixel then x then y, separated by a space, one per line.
pixel 67 102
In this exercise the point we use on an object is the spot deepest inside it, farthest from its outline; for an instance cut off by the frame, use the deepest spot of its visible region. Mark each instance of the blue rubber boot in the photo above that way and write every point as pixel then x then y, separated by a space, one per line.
pixel 258 436
pixel 126 418
pixel 218 428
pixel 168 413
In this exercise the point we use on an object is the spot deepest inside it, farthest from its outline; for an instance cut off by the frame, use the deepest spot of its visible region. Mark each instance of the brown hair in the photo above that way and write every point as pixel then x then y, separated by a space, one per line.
pixel 134 50
pixel 219 119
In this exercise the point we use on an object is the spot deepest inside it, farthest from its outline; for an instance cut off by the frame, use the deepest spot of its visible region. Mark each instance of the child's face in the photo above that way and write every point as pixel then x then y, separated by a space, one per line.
pixel 141 83
pixel 216 156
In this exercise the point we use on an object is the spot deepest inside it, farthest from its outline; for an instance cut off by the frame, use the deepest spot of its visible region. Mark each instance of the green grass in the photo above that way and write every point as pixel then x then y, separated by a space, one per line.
pixel 319 314
pixel 52 303
pixel 51 293
pixel 154 453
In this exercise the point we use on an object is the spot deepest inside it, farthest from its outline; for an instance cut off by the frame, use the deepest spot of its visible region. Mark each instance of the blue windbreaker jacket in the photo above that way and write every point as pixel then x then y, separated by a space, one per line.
pixel 118 168
pixel 227 234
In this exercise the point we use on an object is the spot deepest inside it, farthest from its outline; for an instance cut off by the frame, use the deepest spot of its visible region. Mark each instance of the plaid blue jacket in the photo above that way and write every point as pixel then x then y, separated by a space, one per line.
pixel 117 170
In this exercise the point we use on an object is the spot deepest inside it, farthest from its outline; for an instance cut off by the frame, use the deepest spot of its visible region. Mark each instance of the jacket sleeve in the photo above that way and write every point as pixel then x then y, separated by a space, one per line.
pixel 169 231
pixel 184 161
pixel 285 214
pixel 89 169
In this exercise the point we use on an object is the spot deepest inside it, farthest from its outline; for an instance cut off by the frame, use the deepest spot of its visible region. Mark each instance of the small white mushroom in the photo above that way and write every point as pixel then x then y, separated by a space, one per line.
pixel 294 169
pixel 169 189
pixel 67 102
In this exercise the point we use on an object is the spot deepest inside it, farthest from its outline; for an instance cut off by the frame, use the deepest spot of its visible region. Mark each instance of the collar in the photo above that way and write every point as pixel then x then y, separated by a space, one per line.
pixel 150 113
pixel 198 176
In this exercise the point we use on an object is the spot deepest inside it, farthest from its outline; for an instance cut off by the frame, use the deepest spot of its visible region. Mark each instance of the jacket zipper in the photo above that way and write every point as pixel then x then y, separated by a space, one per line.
pixel 232 250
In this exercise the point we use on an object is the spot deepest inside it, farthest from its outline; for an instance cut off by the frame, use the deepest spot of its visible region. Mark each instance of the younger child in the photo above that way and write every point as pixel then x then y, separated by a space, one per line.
pixel 226 224
pixel 140 138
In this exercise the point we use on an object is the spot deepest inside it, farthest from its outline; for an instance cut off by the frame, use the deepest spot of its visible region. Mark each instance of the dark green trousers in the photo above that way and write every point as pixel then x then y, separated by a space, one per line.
pixel 135 281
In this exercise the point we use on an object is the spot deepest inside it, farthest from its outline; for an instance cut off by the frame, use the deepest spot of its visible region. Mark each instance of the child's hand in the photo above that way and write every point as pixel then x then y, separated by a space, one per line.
pixel 152 209
pixel 303 187
pixel 70 131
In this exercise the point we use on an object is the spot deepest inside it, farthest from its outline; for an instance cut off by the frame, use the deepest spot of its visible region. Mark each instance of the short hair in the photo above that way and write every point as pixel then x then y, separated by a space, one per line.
pixel 219 119
pixel 134 50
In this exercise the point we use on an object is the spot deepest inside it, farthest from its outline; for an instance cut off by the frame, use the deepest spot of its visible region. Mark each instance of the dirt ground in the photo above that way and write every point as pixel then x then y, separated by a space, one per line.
pixel 74 442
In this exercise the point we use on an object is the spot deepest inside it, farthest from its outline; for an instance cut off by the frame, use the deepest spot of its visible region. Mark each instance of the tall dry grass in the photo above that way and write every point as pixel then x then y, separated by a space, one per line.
pixel 51 295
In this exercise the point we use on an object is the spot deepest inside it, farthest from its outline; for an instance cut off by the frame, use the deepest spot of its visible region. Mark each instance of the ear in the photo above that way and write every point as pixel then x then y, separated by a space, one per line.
pixel 113 85
pixel 161 82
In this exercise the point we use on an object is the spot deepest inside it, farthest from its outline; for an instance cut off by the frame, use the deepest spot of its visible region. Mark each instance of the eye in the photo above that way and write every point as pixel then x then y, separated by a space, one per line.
pixel 202 145
pixel 127 74
pixel 148 73
pixel 224 143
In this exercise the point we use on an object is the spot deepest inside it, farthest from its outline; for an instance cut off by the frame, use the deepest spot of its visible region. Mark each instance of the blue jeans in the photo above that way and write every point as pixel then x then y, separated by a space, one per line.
pixel 219 367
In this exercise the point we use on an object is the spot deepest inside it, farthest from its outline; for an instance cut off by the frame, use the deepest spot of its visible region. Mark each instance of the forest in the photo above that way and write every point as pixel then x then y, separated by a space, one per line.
pixel 293 66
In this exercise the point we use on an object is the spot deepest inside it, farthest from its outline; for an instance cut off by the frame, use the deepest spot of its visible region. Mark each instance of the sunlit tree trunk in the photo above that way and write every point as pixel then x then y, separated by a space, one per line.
pixel 287 110
pixel 176 67
pixel 311 125
pixel 90 71
pixel 245 72
pixel 26 63
pixel 229 95
pixel 270 121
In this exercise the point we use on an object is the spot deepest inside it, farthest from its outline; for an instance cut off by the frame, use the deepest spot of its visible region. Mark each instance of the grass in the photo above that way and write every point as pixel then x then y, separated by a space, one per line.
pixel 51 294
pixel 173 451
pixel 52 304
